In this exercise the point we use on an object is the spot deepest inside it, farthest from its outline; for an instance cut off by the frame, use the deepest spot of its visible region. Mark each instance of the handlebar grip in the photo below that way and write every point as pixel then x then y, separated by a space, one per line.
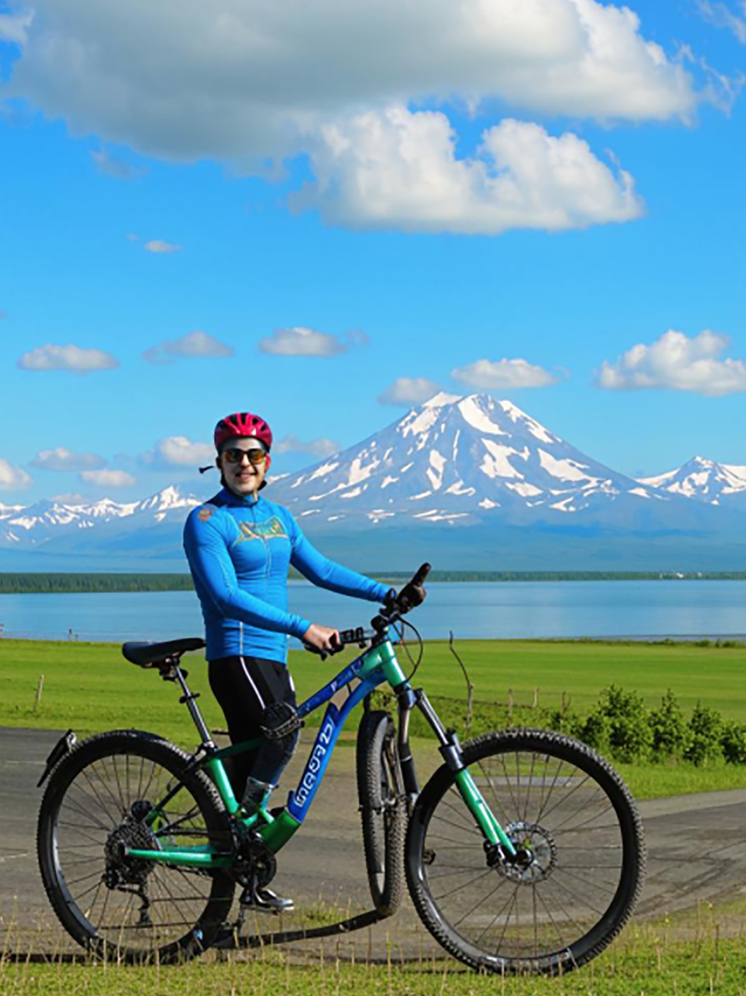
pixel 421 574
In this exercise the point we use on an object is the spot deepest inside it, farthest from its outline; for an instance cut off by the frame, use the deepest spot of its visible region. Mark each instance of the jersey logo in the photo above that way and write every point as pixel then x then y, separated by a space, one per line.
pixel 271 529
pixel 204 513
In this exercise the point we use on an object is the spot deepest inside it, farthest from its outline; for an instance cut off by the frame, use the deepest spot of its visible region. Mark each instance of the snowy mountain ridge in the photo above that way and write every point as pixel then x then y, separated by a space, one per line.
pixel 43 521
pixel 703 480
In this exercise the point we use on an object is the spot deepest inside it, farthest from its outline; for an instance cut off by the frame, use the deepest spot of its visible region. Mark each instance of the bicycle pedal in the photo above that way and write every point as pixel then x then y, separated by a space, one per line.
pixel 265 901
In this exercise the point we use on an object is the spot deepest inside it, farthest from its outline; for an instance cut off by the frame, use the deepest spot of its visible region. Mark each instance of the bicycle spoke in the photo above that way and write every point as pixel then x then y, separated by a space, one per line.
pixel 562 829
pixel 575 896
pixel 112 821
pixel 565 798
pixel 453 870
pixel 530 782
pixel 607 887
pixel 465 885
pixel 75 805
pixel 105 784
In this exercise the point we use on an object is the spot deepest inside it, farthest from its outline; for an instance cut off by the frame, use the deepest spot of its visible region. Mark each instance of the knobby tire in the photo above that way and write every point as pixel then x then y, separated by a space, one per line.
pixel 382 810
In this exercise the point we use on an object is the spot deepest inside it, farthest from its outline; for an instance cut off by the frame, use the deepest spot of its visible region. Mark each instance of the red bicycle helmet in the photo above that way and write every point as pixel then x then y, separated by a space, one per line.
pixel 242 425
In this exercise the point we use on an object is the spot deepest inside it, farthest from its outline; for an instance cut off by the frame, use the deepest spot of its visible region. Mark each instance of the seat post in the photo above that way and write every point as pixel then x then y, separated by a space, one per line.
pixel 189 699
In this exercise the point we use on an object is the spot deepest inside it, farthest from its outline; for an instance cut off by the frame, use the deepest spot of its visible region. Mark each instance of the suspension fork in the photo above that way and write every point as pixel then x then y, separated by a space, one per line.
pixel 450 751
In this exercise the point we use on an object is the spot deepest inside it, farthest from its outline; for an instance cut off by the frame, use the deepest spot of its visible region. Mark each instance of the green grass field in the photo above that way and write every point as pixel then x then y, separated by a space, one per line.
pixel 90 687
pixel 646 961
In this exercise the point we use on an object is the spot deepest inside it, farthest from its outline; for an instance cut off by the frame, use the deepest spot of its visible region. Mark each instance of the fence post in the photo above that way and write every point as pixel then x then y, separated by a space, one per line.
pixel 39 690
pixel 535 703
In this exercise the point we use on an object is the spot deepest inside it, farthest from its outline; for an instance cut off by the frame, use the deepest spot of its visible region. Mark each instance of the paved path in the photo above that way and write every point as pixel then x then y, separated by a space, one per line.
pixel 696 850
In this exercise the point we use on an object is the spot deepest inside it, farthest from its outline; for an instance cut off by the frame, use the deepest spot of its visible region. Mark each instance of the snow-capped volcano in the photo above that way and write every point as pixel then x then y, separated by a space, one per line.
pixel 704 480
pixel 456 459
pixel 520 491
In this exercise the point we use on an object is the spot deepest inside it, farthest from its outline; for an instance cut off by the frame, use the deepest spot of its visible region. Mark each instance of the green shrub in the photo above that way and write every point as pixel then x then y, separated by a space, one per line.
pixel 629 736
pixel 733 742
pixel 619 727
pixel 705 728
pixel 595 731
pixel 671 735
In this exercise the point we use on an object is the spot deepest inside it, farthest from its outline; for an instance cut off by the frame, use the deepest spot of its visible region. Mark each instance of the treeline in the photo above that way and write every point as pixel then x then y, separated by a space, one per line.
pixel 571 576
pixel 63 582
pixel 35 584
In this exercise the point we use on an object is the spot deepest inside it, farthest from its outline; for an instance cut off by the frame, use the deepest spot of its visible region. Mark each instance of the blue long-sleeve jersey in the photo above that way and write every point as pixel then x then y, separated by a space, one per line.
pixel 239 551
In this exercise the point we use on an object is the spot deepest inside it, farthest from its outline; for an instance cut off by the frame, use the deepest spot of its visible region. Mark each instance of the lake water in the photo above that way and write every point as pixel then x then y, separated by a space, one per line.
pixel 508 609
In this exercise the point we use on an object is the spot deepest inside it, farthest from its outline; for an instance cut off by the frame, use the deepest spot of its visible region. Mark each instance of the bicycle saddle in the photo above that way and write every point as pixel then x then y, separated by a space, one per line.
pixel 146 654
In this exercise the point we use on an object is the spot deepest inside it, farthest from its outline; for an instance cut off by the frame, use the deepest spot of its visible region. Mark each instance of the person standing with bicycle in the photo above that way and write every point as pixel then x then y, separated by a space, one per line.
pixel 239 546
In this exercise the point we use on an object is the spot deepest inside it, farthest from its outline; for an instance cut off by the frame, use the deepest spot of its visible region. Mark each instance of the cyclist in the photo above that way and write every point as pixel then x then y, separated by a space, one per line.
pixel 239 546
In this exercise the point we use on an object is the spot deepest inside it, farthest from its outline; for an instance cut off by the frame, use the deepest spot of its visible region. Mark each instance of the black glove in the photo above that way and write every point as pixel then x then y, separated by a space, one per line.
pixel 410 597
pixel 413 593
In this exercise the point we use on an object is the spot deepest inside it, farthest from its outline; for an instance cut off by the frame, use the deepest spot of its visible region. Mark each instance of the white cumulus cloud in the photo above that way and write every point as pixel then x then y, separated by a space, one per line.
pixel 301 341
pixel 73 358
pixel 61 459
pixel 507 374
pixel 408 391
pixel 678 363
pixel 316 447
pixel 178 451
pixel 239 81
pixel 160 245
pixel 243 80
pixel 193 344
pixel 13 478
pixel 108 478
pixel 399 169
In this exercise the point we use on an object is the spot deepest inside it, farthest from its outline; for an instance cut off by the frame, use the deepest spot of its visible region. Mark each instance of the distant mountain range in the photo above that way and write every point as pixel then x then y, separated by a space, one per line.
pixel 705 480
pixel 467 482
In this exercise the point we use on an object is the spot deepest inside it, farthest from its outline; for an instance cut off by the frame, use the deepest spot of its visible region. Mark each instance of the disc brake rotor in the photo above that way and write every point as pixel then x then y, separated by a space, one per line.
pixel 539 844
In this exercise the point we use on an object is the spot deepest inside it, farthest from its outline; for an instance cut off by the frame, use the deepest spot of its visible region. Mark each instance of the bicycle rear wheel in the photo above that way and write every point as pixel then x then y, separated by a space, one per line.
pixel 98 803
pixel 583 855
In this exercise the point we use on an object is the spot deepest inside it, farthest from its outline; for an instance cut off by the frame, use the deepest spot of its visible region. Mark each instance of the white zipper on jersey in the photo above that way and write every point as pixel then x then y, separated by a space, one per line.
pixel 267 550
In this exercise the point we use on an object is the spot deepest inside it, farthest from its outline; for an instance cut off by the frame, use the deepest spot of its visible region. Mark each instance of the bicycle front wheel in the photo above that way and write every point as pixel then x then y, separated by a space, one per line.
pixel 583 855
pixel 382 810
pixel 132 790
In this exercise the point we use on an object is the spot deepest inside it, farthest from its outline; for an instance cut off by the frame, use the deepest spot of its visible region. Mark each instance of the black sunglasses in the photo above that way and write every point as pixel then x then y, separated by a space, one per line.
pixel 234 454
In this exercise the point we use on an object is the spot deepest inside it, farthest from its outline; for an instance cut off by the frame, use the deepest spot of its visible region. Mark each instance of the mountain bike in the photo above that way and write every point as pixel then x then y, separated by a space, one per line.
pixel 524 852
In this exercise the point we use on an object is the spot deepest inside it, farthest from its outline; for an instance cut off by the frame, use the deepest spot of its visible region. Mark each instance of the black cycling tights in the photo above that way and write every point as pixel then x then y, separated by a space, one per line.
pixel 245 687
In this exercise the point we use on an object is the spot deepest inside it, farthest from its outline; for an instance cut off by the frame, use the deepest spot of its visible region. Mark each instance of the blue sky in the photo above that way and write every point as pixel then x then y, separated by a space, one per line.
pixel 536 187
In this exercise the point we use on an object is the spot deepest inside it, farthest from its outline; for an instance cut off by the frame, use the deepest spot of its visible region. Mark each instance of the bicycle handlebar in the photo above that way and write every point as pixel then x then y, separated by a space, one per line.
pixel 383 620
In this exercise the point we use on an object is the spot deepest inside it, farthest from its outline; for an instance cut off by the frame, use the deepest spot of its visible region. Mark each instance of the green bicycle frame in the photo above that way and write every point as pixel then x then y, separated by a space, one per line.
pixel 374 667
